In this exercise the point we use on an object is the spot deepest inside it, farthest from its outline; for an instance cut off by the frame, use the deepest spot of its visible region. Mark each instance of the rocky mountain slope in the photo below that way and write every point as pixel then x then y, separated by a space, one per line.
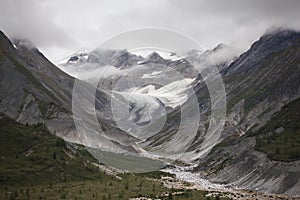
pixel 34 91
pixel 263 94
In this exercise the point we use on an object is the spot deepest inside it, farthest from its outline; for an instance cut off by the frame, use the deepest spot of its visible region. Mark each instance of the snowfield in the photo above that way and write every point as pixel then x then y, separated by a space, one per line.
pixel 172 94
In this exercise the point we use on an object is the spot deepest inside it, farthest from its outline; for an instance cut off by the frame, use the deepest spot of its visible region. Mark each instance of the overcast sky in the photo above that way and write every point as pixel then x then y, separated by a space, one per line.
pixel 61 27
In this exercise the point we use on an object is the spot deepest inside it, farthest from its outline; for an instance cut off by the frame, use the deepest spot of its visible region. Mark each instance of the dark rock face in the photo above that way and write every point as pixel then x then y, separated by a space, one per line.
pixel 73 59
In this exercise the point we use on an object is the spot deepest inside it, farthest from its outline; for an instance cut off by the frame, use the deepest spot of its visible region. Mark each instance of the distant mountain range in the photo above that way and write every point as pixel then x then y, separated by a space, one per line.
pixel 258 148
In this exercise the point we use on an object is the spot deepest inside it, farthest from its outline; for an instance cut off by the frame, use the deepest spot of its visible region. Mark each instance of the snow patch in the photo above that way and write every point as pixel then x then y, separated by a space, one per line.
pixel 152 75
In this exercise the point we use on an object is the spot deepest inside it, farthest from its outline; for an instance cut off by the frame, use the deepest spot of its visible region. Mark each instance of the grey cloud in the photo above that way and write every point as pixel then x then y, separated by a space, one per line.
pixel 60 27
pixel 94 73
pixel 28 19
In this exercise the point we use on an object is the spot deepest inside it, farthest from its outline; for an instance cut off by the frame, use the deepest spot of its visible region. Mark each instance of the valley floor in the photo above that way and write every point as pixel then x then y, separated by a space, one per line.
pixel 177 184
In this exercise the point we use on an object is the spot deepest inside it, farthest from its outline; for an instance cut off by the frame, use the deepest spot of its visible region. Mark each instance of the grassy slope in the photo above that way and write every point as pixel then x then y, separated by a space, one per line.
pixel 37 165
pixel 280 137
pixel 31 155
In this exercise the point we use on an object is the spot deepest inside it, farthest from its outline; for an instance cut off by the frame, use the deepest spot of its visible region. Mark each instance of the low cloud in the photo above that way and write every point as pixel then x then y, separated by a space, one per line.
pixel 29 20
pixel 225 55
pixel 92 71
